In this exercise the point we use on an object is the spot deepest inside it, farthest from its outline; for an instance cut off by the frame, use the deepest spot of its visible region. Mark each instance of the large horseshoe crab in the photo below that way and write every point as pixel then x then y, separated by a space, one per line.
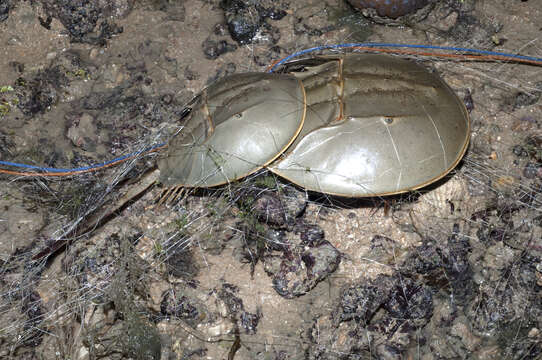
pixel 356 125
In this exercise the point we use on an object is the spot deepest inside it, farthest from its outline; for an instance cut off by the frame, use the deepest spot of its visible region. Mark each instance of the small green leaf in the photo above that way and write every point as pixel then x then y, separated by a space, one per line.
pixel 5 88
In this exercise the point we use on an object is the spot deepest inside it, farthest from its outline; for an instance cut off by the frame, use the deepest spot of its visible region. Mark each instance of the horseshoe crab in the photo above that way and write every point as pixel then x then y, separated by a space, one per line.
pixel 376 125
pixel 234 127
pixel 355 125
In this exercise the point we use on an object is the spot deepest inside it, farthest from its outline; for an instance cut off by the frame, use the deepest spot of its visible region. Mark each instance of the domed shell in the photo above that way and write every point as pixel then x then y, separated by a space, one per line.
pixel 234 127
pixel 376 125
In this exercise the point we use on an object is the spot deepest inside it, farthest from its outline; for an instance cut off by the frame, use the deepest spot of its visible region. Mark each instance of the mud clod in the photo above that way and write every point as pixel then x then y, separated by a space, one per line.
pixel 410 300
pixel 5 7
pixel 180 262
pixel 468 101
pixel 245 19
pixel 243 22
pixel 84 19
pixel 361 301
pixel 392 9
pixel 269 209
pixel 300 271
pixel 228 296
pixel 33 309
pixel 533 146
pixel 311 235
pixel 496 309
pixel 523 99
pixel 37 94
pixel 141 339
pixel 424 260
pixel 178 305
pixel 368 313
pixel 531 170
pixel 279 208
pixel 190 74
pixel 468 25
pixel 212 49
pixel 445 267
pixel 276 239
pixel 520 151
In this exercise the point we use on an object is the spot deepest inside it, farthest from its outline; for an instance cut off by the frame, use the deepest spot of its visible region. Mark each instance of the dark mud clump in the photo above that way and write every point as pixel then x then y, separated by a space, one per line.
pixel 306 259
pixel 182 303
pixel 6 145
pixel 116 276
pixel 533 147
pixel 86 21
pixel 177 303
pixel 442 299
pixel 523 99
pixel 529 155
pixel 180 262
pixel 444 267
pixel 468 25
pixel 400 297
pixel 295 254
pixel 33 309
pixel 360 302
pixel 228 295
pixel 269 209
pixel 378 317
pixel 456 264
pixel 267 216
pixel 174 10
pixel 279 208
pixel 506 309
pixel 392 9
pixel 212 49
pixel 394 13
pixel 5 7
pixel 246 23
pixel 532 170
pixel 245 19
pixel 42 91
pixel 133 337
pixel 39 91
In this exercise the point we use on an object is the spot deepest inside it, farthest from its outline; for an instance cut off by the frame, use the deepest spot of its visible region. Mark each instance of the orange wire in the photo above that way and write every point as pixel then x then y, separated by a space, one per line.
pixel 454 56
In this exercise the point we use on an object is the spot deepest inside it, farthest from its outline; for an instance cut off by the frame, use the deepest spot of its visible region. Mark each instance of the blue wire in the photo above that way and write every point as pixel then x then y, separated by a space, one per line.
pixel 411 46
pixel 84 168
pixel 299 53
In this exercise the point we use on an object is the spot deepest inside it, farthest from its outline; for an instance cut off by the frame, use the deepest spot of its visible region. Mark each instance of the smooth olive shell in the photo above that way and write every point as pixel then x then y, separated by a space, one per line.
pixel 376 125
pixel 236 126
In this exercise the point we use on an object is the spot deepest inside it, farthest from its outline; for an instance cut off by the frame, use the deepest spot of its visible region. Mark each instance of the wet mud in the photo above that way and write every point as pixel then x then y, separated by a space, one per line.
pixel 258 269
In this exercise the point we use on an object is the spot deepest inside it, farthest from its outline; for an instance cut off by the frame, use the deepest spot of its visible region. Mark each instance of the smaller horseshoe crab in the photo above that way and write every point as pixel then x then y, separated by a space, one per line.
pixel 356 125
pixel 235 127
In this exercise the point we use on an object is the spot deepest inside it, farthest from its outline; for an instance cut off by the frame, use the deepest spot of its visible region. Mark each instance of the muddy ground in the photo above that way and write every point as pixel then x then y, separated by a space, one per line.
pixel 259 269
